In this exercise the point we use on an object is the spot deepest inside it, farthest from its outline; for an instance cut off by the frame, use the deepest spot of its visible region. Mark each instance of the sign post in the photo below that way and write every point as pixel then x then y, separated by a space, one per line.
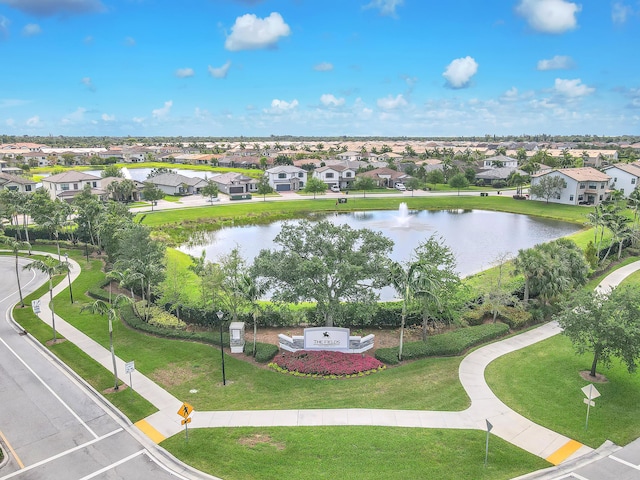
pixel 486 448
pixel 184 412
pixel 35 306
pixel 592 393
pixel 129 367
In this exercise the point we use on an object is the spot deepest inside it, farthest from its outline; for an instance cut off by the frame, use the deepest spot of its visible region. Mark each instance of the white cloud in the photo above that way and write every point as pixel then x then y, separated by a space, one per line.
pixel 10 122
pixel 108 118
pixel 139 120
pixel 282 106
pixel 31 30
pixel 129 41
pixel 74 117
pixel 391 103
pixel 164 111
pixel 329 100
pixel 386 7
pixel 88 40
pixel 87 82
pixel 323 67
pixel 252 33
pixel 511 94
pixel 4 27
pixel 460 71
pixel 185 72
pixel 549 16
pixel 220 72
pixel 621 12
pixel 33 121
pixel 47 8
pixel 558 62
pixel 572 88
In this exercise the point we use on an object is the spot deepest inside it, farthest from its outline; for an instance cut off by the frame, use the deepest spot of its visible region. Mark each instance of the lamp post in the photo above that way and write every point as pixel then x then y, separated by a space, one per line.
pixel 66 258
pixel 220 314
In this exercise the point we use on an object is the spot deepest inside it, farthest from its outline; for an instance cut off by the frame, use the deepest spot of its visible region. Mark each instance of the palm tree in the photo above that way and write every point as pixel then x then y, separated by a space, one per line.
pixel 15 246
pixel 51 268
pixel 528 263
pixel 101 307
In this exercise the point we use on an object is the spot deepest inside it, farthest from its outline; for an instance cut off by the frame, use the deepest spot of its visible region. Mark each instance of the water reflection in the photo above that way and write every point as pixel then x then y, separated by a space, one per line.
pixel 476 237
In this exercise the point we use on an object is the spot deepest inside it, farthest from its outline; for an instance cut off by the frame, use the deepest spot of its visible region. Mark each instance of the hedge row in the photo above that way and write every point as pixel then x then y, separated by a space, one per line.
pixel 445 344
pixel 516 318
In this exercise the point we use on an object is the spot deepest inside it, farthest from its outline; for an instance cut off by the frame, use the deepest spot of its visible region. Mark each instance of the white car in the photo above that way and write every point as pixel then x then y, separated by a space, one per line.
pixel 335 188
pixel 400 186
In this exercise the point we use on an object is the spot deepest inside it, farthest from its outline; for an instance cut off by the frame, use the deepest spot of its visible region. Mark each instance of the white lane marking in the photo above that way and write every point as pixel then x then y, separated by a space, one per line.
pixel 572 475
pixel 61 454
pixel 51 390
pixel 624 462
pixel 113 465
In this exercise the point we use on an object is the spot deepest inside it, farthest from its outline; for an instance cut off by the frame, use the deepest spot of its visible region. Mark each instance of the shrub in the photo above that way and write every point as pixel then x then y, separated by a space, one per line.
pixel 264 351
pixel 161 318
pixel 325 363
pixel 447 344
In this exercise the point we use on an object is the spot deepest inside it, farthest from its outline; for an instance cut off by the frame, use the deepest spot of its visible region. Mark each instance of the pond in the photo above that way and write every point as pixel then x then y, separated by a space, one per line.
pixel 476 237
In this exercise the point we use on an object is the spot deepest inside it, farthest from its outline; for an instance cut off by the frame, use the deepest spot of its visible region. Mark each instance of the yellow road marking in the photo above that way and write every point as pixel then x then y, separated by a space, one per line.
pixel 564 452
pixel 149 431
pixel 13 452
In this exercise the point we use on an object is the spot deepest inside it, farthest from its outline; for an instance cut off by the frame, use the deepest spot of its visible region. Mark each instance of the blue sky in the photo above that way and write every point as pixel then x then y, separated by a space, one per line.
pixel 321 67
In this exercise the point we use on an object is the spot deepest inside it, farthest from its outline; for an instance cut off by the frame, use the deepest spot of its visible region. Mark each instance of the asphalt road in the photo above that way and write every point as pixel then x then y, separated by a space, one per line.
pixel 51 426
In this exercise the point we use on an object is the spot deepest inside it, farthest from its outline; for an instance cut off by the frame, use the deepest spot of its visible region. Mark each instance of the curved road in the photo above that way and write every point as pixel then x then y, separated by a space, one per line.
pixel 51 425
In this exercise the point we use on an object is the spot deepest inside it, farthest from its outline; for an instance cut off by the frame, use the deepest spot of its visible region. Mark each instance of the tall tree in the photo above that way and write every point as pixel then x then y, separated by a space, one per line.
pixel 314 185
pixel 51 267
pixel 547 187
pixel 325 263
pixel 264 188
pixel 210 190
pixel 152 193
pixel 15 246
pixel 606 325
pixel 458 181
pixel 363 183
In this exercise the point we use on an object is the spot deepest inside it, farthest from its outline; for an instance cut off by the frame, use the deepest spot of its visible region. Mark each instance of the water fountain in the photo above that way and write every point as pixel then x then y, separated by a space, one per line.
pixel 126 173
pixel 403 215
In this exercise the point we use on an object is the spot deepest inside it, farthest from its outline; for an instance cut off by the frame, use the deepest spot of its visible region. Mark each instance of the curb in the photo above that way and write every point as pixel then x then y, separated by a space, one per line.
pixel 5 457
pixel 564 469
pixel 162 456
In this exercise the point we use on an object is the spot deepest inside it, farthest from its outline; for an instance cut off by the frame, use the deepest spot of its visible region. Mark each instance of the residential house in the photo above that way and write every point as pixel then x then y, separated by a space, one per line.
pixel 624 177
pixel 349 156
pixel 136 194
pixel 285 178
pixel 491 174
pixel 499 161
pixel 339 175
pixel 16 183
pixel 233 183
pixel 69 184
pixel 386 177
pixel 584 186
pixel 176 184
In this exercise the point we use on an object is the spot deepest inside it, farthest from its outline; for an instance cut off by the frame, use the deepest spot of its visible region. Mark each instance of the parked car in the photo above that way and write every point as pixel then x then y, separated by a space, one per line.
pixel 335 188
pixel 400 186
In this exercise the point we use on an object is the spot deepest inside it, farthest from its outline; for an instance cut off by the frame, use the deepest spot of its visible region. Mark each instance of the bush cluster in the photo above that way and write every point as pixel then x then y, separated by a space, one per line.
pixel 326 364
pixel 264 351
pixel 161 318
pixel 446 344
pixel 516 318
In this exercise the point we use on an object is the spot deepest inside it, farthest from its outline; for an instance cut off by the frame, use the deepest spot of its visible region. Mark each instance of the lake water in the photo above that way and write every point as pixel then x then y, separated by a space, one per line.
pixel 476 237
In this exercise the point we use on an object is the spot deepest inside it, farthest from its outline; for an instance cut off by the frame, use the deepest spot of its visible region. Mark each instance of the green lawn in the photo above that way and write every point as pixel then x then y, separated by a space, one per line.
pixel 542 383
pixel 350 453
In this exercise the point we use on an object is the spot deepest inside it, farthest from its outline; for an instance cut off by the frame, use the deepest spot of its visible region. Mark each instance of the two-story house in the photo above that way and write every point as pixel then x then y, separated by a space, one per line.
pixel 285 178
pixel 499 161
pixel 67 185
pixel 339 175
pixel 584 186
pixel 17 183
pixel 625 177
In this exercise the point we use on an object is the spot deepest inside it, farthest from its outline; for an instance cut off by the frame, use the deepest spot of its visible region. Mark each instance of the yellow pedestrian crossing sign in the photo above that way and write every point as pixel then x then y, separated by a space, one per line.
pixel 185 421
pixel 185 410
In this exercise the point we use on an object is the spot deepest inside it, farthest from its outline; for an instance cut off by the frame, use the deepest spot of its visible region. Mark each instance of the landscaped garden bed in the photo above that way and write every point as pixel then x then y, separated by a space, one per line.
pixel 326 364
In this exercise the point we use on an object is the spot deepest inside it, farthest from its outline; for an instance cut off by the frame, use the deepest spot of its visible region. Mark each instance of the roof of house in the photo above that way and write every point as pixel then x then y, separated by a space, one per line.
pixel 230 177
pixel 70 177
pixel 498 173
pixel 175 180
pixel 384 172
pixel 285 169
pixel 582 174
pixel 7 178
pixel 632 168
pixel 109 180
pixel 500 158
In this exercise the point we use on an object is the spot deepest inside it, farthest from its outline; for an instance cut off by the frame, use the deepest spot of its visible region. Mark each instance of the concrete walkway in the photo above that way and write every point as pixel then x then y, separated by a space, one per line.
pixel 507 424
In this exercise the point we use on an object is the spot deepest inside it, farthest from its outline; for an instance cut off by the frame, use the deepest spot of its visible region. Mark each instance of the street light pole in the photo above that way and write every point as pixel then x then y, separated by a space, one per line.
pixel 220 314
pixel 66 257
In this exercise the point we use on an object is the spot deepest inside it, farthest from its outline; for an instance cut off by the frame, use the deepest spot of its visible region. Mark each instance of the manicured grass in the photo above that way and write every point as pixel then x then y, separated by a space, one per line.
pixel 129 402
pixel 349 453
pixel 173 198
pixel 633 279
pixel 542 383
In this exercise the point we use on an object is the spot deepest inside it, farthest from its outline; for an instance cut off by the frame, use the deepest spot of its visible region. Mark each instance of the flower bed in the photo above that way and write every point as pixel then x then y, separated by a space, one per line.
pixel 304 363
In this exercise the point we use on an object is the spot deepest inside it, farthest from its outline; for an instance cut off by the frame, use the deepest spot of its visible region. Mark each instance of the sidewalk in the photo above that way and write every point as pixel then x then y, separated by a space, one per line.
pixel 507 424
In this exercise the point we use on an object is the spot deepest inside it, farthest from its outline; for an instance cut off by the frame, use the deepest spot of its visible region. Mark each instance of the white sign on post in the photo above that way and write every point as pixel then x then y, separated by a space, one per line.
pixel 592 393
pixel 129 367
pixel 35 305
